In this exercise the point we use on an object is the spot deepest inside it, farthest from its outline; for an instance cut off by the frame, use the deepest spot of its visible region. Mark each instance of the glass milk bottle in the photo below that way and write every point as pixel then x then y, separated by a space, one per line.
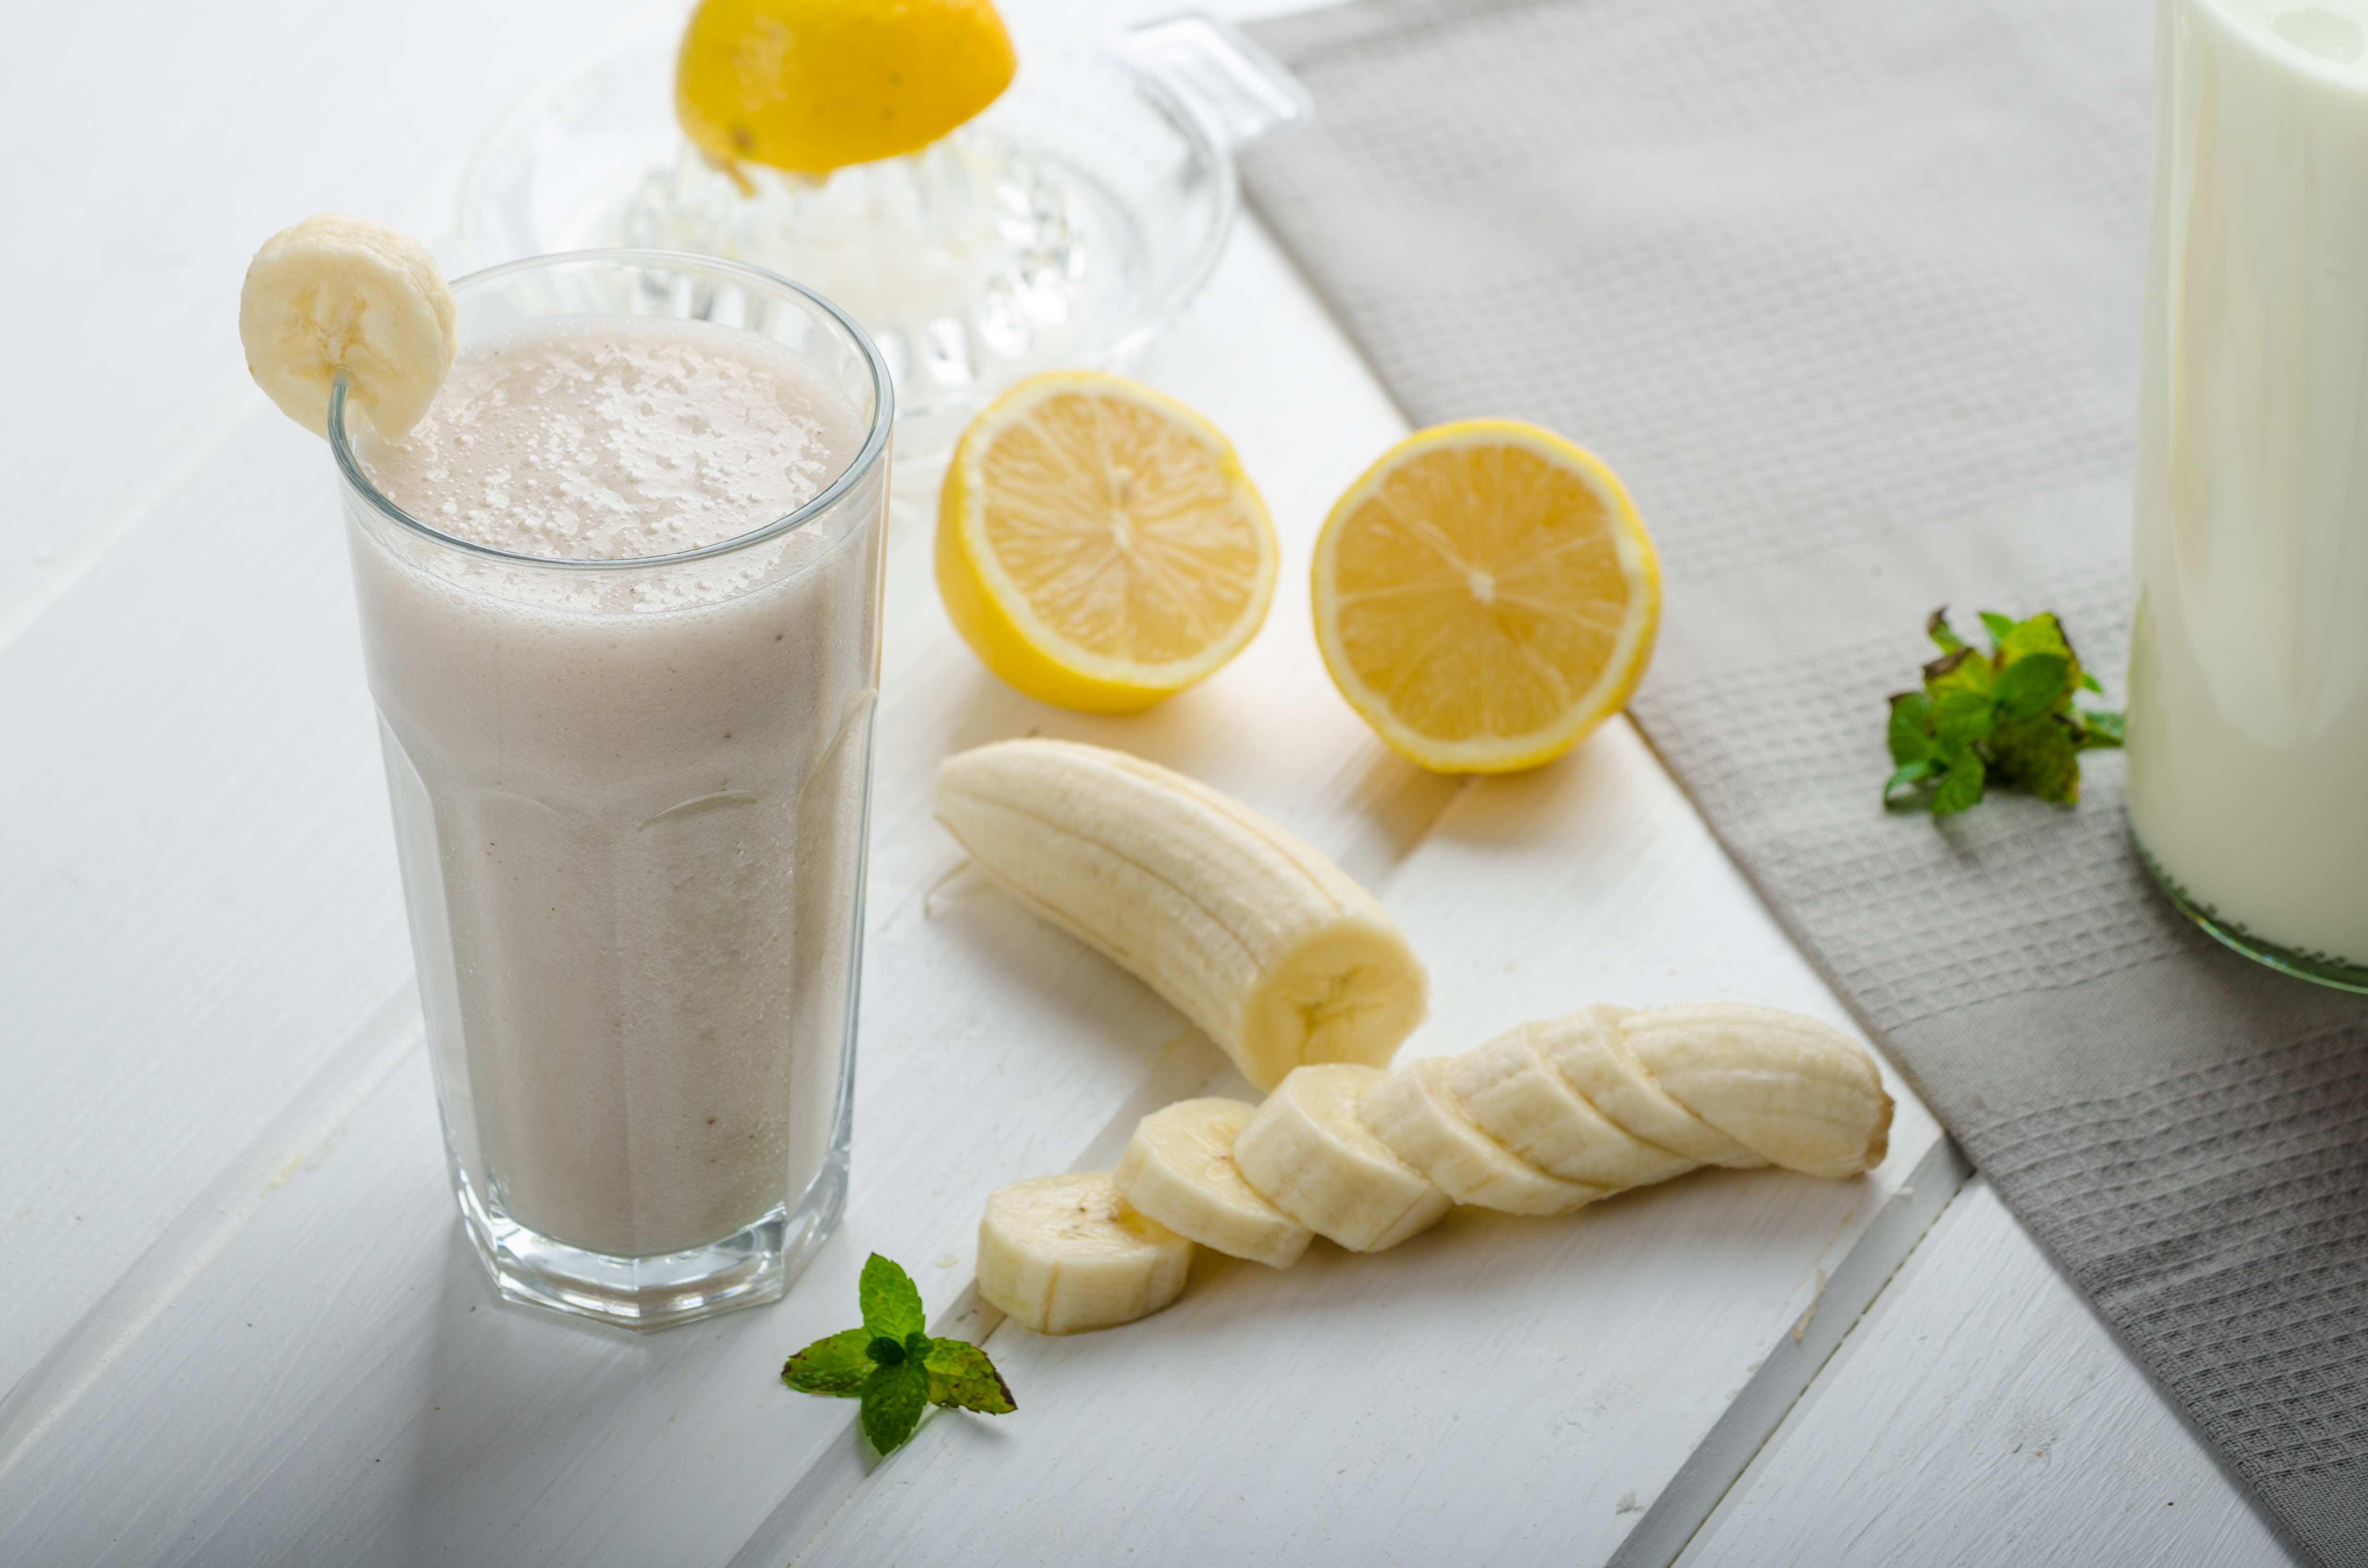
pixel 2249 669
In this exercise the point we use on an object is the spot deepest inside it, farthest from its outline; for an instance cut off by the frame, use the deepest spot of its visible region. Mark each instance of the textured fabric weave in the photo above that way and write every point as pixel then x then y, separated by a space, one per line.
pixel 1849 294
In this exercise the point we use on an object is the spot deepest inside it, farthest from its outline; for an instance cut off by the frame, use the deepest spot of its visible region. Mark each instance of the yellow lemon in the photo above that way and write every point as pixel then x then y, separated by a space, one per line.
pixel 1098 545
pixel 1486 595
pixel 811 84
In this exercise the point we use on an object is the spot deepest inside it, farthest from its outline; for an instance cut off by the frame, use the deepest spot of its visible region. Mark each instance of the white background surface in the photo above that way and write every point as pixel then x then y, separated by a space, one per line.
pixel 244 1328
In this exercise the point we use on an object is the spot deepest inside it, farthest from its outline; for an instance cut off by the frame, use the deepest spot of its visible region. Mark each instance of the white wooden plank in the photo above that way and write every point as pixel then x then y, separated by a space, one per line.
pixel 204 910
pixel 155 146
pixel 1982 1415
pixel 1489 1388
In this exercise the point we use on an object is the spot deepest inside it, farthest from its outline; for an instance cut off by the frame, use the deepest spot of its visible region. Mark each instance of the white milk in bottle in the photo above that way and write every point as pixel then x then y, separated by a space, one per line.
pixel 2248 678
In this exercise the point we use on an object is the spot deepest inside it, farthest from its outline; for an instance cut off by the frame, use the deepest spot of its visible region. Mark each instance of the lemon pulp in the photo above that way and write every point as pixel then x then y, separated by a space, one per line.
pixel 1486 595
pixel 1098 545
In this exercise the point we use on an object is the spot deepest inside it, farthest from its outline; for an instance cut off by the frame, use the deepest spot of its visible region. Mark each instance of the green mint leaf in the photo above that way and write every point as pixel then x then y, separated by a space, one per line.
pixel 893 1364
pixel 2041 754
pixel 1963 670
pixel 1905 778
pixel 2005 719
pixel 2040 634
pixel 1960 717
pixel 960 1375
pixel 838 1366
pixel 1911 728
pixel 1962 787
pixel 2032 684
pixel 893 1402
pixel 891 1302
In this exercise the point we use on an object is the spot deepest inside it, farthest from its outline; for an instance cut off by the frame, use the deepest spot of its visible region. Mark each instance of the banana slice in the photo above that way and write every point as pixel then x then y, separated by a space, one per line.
pixel 1248 932
pixel 1517 1097
pixel 1311 1156
pixel 1412 1109
pixel 1064 1254
pixel 338 295
pixel 1588 1047
pixel 1178 1169
pixel 1800 1093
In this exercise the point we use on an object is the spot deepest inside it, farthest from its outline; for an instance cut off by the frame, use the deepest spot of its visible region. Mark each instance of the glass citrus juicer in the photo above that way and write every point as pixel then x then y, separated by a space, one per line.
pixel 1065 225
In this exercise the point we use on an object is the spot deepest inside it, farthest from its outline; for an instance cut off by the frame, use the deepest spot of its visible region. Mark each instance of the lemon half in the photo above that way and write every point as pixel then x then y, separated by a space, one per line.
pixel 814 84
pixel 1485 595
pixel 1098 545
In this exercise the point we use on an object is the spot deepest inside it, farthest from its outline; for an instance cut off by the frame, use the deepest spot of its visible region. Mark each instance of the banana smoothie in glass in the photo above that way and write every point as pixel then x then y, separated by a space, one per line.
pixel 619 603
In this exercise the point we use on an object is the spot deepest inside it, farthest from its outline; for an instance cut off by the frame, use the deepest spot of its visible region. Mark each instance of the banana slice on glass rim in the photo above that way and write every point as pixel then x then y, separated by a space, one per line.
pixel 338 295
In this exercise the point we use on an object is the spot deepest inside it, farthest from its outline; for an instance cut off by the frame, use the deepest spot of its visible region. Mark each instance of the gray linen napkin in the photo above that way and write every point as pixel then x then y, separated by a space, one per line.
pixel 1849 294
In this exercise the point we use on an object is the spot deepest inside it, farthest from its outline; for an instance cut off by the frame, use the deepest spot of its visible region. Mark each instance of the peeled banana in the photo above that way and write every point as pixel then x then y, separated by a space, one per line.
pixel 1247 931
pixel 337 296
pixel 1064 1254
pixel 1178 1169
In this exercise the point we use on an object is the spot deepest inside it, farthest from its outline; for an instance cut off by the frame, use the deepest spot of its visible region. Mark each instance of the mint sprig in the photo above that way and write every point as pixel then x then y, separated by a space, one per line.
pixel 2005 716
pixel 893 1364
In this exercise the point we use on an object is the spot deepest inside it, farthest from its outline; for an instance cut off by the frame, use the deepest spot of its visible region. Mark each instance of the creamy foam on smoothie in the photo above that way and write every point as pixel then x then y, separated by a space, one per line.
pixel 629 800
pixel 608 439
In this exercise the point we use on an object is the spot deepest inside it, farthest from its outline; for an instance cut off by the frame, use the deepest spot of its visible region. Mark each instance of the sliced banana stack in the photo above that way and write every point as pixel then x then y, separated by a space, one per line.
pixel 1247 931
pixel 337 296
pixel 1794 1092
pixel 1414 1112
pixel 1064 1254
pixel 1514 1093
pixel 1312 1157
pixel 1590 1048
pixel 1547 1115
pixel 1543 1119
pixel 1178 1169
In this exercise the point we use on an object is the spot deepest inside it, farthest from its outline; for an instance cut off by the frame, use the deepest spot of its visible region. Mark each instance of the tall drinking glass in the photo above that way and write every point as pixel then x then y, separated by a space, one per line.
pixel 2248 668
pixel 630 801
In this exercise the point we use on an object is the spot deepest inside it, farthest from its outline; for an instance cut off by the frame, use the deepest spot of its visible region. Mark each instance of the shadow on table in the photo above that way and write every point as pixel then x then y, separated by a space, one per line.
pixel 495 1430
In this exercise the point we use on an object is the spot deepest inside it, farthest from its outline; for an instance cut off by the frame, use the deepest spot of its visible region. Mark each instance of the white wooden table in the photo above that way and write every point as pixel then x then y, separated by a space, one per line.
pixel 243 1326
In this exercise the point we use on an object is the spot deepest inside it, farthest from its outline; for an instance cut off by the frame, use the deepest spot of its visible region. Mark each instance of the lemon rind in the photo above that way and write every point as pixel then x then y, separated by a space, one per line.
pixel 838 140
